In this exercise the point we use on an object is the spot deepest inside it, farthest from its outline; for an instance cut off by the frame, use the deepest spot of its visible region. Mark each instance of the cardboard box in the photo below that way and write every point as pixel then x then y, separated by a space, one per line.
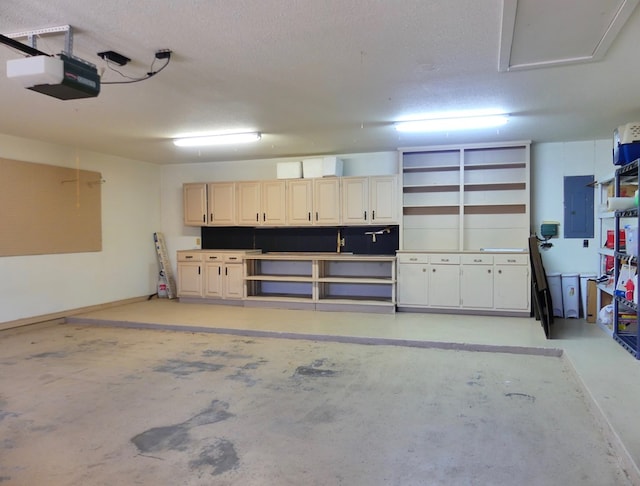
pixel 626 190
pixel 322 167
pixel 289 170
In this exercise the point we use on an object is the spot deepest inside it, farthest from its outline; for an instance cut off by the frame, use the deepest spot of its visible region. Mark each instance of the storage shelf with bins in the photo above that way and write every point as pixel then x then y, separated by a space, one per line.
pixel 626 331
pixel 604 294
pixel 465 197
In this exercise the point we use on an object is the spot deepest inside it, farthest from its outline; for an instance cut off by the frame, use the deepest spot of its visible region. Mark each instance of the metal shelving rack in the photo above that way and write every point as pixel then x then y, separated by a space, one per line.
pixel 628 338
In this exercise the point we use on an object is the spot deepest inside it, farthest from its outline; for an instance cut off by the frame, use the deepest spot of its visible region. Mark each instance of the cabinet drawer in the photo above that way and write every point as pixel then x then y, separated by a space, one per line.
pixel 233 258
pixel 189 256
pixel 445 259
pixel 213 257
pixel 477 259
pixel 511 259
pixel 413 258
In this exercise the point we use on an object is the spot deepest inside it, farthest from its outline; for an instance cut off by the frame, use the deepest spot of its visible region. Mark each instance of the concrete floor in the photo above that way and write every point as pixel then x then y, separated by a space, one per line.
pixel 277 397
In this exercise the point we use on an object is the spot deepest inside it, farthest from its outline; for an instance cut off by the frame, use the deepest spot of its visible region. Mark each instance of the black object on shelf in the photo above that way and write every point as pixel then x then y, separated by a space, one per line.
pixel 624 332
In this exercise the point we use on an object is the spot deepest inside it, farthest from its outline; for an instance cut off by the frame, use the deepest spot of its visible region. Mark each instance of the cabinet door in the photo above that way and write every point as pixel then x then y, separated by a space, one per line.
pixel 511 287
pixel 326 201
pixel 444 286
pixel 190 279
pixel 355 200
pixel 413 284
pixel 194 202
pixel 248 203
pixel 300 202
pixel 213 280
pixel 233 281
pixel 222 208
pixel 383 200
pixel 476 286
pixel 274 198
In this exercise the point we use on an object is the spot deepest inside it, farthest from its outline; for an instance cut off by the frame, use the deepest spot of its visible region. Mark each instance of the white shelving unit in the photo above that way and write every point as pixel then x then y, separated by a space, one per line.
pixel 465 197
pixel 606 223
pixel 321 281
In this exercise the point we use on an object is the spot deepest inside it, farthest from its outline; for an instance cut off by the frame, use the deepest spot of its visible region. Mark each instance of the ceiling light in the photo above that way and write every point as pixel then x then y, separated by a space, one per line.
pixel 221 139
pixel 454 123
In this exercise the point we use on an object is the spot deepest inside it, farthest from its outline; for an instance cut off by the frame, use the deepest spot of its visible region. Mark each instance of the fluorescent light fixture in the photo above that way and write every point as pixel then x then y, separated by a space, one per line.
pixel 220 139
pixel 443 124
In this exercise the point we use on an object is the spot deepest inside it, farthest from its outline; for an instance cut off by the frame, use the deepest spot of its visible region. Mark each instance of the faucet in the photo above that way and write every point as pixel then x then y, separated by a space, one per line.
pixel 379 232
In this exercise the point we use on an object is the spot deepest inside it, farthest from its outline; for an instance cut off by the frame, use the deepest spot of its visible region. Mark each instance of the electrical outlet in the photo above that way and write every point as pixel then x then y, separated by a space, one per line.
pixel 197 241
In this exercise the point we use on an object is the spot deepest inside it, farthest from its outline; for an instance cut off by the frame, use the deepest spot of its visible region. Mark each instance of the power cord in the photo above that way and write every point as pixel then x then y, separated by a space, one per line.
pixel 161 54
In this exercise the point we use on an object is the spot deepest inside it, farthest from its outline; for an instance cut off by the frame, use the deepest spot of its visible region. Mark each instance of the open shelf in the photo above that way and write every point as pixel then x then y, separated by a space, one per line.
pixel 473 184
pixel 328 281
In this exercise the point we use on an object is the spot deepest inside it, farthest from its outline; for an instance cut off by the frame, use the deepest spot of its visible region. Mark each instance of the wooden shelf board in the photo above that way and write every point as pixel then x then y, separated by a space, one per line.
pixel 441 188
pixel 435 168
pixel 512 165
pixel 499 186
pixel 335 299
pixel 280 278
pixel 275 296
pixel 428 210
pixel 357 280
pixel 496 209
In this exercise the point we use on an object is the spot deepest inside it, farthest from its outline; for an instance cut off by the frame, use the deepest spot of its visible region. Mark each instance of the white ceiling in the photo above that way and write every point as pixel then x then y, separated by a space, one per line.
pixel 330 76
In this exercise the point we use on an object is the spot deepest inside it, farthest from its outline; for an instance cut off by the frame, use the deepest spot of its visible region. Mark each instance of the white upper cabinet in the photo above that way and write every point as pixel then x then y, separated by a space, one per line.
pixel 221 204
pixel 194 203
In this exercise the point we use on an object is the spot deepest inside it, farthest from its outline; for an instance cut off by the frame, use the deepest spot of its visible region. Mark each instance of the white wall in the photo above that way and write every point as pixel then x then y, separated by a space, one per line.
pixel 127 265
pixel 139 198
pixel 180 237
pixel 550 163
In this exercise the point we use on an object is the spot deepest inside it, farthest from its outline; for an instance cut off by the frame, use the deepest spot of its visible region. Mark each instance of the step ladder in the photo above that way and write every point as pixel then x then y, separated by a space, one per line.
pixel 165 265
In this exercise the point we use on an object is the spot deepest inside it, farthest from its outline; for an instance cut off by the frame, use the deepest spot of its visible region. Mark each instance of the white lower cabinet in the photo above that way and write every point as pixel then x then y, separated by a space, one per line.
pixel 444 281
pixel 223 276
pixel 464 282
pixel 511 286
pixel 413 280
pixel 476 283
pixel 211 274
pixel 190 270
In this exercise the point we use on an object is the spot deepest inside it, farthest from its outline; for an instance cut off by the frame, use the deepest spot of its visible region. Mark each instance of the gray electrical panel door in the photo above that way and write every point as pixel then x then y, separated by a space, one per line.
pixel 578 206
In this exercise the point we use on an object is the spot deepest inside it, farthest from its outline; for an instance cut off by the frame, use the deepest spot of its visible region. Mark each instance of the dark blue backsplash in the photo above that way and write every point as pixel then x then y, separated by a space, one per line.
pixel 324 239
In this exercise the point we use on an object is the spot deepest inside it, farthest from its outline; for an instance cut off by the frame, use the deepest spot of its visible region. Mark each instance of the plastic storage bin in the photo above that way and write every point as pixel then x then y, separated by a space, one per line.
pixel 555 287
pixel 584 279
pixel 570 295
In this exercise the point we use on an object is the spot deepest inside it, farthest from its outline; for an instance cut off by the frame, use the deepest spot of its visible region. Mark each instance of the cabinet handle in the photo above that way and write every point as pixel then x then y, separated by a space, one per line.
pixel 188 257
pixel 510 260
pixel 424 269
pixel 373 215
pixel 499 271
pixel 477 260
pixel 219 270
pixel 225 270
pixel 316 215
pixel 309 215
pixel 257 217
pixel 204 218
pixel 365 215
pixel 413 259
pixel 264 216
pixel 489 271
pixel 233 258
pixel 433 270
pixel 444 259
pixel 198 269
pixel 211 217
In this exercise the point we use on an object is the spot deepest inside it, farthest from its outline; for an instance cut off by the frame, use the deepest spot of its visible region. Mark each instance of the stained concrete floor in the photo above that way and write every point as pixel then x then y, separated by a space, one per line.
pixel 85 404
